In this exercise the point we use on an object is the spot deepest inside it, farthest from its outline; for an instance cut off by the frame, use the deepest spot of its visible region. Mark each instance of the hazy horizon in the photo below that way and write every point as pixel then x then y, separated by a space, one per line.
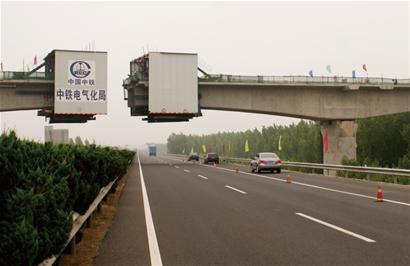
pixel 243 38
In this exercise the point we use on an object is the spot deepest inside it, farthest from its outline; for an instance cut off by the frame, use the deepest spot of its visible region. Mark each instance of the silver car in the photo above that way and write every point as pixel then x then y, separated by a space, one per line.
pixel 266 161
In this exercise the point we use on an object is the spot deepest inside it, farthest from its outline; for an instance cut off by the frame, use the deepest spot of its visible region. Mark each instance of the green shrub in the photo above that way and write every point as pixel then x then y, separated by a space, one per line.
pixel 40 186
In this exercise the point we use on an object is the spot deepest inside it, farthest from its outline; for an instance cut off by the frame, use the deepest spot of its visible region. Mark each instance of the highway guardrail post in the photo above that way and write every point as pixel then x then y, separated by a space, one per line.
pixel 72 246
pixel 88 222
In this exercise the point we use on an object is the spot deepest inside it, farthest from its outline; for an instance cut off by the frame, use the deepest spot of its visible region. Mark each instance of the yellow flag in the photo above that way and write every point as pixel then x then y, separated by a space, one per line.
pixel 203 148
pixel 246 146
pixel 280 143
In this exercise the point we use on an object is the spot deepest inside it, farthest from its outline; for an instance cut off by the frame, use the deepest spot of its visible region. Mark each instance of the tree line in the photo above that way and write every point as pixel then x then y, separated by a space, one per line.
pixel 381 141
pixel 299 142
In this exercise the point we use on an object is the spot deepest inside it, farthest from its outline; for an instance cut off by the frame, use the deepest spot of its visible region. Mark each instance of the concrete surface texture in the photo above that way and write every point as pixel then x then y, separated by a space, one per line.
pixel 341 141
pixel 310 101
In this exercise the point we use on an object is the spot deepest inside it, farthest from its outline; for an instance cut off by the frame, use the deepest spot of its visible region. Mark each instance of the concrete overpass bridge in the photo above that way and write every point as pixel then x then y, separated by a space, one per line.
pixel 335 102
pixel 68 91
pixel 20 91
pixel 317 98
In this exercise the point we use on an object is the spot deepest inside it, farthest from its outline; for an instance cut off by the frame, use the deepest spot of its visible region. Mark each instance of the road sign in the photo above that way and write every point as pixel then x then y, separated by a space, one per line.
pixel 80 82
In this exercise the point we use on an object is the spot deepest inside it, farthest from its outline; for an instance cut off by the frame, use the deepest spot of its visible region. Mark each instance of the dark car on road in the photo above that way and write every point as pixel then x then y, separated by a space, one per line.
pixel 193 157
pixel 266 161
pixel 211 157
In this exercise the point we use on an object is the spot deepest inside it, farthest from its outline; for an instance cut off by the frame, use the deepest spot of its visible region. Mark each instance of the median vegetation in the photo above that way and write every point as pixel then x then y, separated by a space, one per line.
pixel 381 142
pixel 41 185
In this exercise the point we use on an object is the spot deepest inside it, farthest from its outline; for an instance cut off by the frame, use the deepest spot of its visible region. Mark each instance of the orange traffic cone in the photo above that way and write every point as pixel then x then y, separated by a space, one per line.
pixel 237 169
pixel 288 178
pixel 379 194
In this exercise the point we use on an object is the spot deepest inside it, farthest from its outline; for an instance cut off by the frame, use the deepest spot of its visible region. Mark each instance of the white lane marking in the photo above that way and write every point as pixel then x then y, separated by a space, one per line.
pixel 152 237
pixel 204 177
pixel 238 190
pixel 176 166
pixel 318 187
pixel 336 228
pixel 186 171
pixel 350 193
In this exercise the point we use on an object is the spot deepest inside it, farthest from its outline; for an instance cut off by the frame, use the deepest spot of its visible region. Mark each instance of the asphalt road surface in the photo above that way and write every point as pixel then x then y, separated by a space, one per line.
pixel 177 213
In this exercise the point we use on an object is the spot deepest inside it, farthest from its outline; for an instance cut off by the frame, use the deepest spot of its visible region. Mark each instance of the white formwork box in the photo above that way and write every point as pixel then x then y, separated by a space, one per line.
pixel 173 83
pixel 80 82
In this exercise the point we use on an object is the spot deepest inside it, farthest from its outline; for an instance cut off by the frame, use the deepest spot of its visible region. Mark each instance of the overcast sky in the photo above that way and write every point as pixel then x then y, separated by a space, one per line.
pixel 266 38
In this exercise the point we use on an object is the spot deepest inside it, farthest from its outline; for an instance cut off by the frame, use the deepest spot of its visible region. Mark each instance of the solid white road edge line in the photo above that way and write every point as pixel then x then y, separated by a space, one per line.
pixel 237 190
pixel 204 177
pixel 152 237
pixel 336 228
pixel 186 171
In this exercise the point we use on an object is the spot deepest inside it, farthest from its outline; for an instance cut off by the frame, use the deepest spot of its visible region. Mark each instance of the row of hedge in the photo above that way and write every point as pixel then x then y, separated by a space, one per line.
pixel 40 187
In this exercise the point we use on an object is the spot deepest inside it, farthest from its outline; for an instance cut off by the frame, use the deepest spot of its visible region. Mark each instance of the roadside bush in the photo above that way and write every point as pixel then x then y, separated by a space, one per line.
pixel 40 186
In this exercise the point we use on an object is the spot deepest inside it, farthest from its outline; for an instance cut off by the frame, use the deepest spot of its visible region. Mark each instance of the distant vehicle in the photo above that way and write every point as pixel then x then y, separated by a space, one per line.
pixel 152 150
pixel 211 157
pixel 266 161
pixel 193 157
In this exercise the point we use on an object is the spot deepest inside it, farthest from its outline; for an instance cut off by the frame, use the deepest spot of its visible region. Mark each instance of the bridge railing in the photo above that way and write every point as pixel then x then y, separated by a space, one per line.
pixel 305 79
pixel 15 75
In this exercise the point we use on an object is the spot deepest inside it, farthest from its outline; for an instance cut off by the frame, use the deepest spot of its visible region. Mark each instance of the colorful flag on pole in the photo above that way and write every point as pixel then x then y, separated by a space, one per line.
pixel 246 146
pixel 326 141
pixel 35 60
pixel 203 148
pixel 329 69
pixel 280 143
pixel 354 74
pixel 364 67
pixel 311 73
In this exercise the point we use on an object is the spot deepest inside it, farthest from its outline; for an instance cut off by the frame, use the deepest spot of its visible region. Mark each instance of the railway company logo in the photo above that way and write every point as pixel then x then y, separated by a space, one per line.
pixel 80 69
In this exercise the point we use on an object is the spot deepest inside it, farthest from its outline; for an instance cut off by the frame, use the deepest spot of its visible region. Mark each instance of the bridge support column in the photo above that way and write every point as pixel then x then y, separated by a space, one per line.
pixel 341 142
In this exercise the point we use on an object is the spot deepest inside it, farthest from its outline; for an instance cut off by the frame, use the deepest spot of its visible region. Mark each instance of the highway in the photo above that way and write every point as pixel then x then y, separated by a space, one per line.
pixel 178 213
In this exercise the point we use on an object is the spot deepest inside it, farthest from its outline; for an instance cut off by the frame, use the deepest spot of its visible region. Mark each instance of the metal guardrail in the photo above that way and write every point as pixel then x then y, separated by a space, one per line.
pixel 345 168
pixel 78 222
pixel 350 168
pixel 336 80
pixel 14 75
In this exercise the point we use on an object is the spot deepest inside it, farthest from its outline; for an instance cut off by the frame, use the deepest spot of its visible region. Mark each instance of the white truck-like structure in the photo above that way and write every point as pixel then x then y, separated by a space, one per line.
pixel 163 87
